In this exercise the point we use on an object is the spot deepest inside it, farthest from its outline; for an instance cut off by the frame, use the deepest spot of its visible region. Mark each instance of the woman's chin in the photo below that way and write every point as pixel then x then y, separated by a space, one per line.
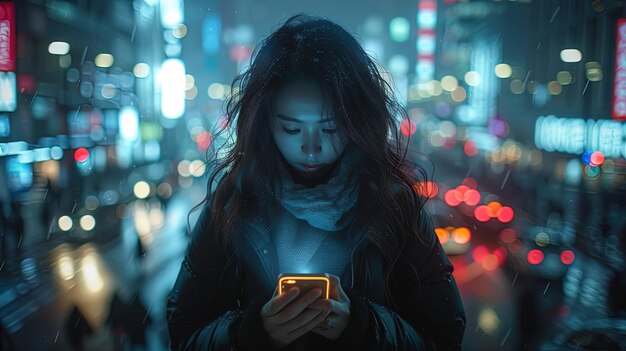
pixel 310 177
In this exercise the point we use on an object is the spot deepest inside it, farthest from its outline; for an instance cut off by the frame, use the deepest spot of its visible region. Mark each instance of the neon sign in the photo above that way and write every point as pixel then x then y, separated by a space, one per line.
pixel 619 88
pixel 577 135
pixel 7 37
pixel 426 42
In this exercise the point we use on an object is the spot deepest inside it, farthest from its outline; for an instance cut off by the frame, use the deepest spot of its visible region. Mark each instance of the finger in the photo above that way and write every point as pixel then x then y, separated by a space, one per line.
pixel 335 287
pixel 308 326
pixel 300 320
pixel 277 303
pixel 321 304
pixel 296 307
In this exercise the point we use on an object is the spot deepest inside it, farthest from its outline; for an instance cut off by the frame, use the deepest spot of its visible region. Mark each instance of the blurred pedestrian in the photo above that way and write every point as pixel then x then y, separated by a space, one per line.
pixel 16 223
pixel 129 320
pixel 617 295
pixel 12 228
pixel 77 329
pixel 4 250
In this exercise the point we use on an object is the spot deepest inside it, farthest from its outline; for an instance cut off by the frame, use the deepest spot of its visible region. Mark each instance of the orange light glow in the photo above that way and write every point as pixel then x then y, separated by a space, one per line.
pixel 428 189
pixel 493 208
pixel 490 263
pixel 461 235
pixel 443 235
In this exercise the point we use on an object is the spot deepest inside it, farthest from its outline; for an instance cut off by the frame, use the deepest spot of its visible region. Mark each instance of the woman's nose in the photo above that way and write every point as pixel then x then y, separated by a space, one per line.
pixel 311 144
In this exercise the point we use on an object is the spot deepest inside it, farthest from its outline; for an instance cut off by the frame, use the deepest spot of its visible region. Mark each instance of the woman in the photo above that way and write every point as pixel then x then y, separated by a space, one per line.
pixel 316 181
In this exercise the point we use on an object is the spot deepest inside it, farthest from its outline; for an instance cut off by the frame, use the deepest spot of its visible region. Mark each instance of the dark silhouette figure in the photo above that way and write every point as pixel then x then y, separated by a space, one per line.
pixel 617 295
pixel 16 223
pixel 77 328
pixel 129 320
pixel 12 228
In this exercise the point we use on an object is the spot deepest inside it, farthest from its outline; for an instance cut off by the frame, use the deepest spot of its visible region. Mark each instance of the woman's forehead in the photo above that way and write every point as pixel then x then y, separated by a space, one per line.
pixel 302 98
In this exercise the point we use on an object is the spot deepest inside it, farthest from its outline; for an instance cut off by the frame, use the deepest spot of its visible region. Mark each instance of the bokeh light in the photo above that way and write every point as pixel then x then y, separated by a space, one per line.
pixel 479 253
pixel 141 70
pixel 555 88
pixel 470 149
pixel 407 127
pixel 503 70
pixel 87 222
pixel 535 257
pixel 481 214
pixel 596 159
pixel 104 60
pixel 428 189
pixel 81 154
pixel 461 235
pixel 449 83
pixel 472 78
pixel 505 214
pixel 443 235
pixel 458 94
pixel 567 257
pixel 141 189
pixel 564 78
pixel 517 86
pixel 58 48
pixel 65 223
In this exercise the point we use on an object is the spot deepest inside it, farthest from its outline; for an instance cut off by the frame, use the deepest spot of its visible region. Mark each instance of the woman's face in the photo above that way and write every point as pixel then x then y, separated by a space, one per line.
pixel 305 130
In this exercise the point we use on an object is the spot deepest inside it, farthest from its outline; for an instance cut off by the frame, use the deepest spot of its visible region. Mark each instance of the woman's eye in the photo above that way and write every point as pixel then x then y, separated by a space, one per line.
pixel 329 131
pixel 291 131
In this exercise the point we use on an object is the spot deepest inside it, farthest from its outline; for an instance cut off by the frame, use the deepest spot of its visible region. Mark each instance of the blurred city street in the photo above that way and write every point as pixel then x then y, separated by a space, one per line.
pixel 515 108
pixel 36 308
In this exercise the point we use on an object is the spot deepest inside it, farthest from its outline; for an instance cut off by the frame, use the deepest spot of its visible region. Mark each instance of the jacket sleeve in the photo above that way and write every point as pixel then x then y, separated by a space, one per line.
pixel 429 313
pixel 203 314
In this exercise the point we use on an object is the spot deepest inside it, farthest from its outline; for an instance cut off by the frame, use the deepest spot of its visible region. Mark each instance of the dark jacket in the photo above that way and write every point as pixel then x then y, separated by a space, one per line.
pixel 216 301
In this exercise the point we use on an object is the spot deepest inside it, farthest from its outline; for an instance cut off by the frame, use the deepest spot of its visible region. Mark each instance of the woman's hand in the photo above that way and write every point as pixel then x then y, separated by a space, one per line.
pixel 339 305
pixel 286 317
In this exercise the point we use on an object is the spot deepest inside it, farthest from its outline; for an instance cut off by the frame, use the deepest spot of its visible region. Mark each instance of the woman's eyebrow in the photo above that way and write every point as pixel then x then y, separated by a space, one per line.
pixel 291 119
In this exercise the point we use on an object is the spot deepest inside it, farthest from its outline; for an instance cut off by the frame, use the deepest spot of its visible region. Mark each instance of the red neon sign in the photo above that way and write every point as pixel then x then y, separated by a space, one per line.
pixel 619 88
pixel 7 37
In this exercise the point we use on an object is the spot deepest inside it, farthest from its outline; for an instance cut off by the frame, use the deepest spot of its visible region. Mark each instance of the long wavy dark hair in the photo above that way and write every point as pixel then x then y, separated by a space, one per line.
pixel 367 114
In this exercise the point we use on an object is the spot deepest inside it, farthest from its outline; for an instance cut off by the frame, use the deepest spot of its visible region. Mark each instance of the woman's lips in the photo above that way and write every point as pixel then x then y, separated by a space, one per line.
pixel 311 168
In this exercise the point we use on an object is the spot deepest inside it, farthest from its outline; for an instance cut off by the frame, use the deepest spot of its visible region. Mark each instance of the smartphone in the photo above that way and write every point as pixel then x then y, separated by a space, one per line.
pixel 305 282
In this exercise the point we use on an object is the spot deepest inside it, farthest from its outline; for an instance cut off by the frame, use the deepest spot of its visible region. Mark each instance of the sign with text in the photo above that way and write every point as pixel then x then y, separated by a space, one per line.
pixel 619 87
pixel 7 36
pixel 426 42
pixel 577 135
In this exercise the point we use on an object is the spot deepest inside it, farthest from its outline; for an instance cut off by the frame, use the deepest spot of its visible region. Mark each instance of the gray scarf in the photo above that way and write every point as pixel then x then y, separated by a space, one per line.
pixel 324 205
